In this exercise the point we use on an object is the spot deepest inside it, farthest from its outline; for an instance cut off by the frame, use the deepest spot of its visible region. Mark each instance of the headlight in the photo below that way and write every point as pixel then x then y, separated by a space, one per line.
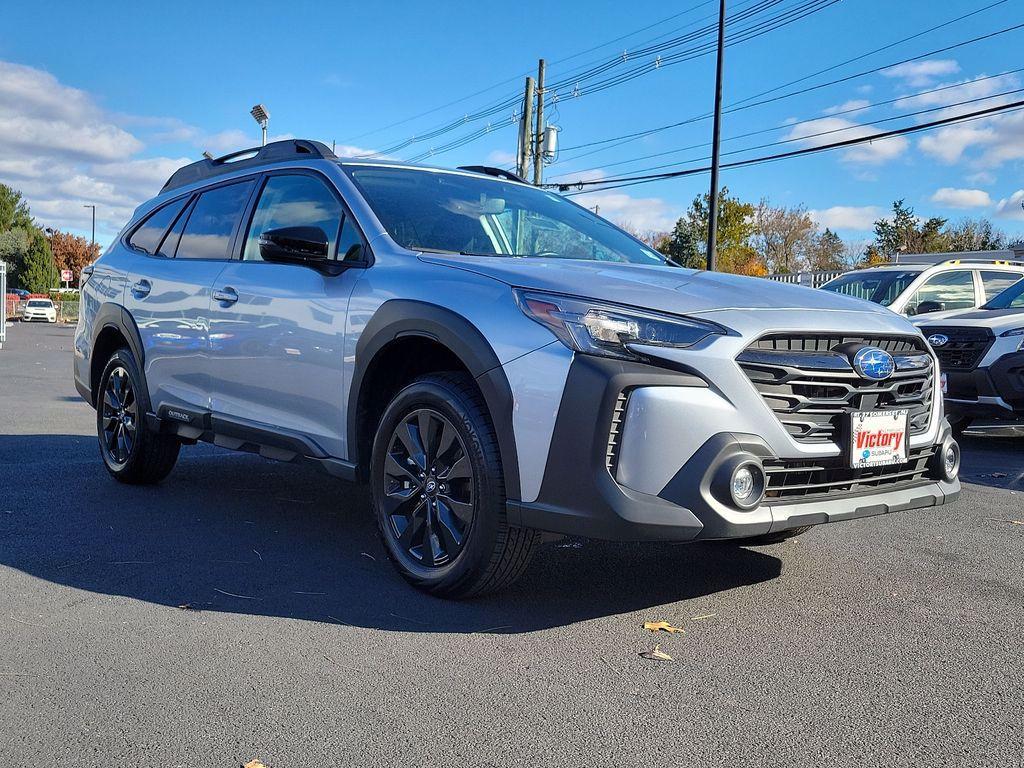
pixel 1019 332
pixel 609 330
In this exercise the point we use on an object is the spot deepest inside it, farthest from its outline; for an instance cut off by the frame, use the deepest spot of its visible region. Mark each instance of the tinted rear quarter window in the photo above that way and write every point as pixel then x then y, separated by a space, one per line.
pixel 210 225
pixel 147 237
pixel 996 282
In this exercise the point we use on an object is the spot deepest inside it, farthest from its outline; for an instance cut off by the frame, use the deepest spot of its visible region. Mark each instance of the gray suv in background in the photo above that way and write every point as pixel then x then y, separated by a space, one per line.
pixel 497 362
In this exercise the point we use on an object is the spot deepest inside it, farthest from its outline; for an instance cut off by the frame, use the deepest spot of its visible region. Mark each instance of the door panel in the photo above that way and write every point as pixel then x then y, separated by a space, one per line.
pixel 277 351
pixel 277 335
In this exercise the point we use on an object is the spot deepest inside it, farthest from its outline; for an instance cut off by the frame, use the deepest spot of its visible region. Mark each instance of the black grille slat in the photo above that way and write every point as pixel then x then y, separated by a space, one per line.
pixel 810 388
pixel 793 480
pixel 965 348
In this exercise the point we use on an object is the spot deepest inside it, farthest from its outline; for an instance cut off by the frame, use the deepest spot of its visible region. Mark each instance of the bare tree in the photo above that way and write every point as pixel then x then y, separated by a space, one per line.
pixel 783 236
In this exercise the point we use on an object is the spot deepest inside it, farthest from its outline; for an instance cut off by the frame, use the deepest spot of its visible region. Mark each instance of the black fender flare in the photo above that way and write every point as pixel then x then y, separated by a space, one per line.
pixel 399 318
pixel 111 315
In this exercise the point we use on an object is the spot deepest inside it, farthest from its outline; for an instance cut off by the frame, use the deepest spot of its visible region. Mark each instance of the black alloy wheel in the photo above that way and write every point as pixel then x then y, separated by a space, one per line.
pixel 429 491
pixel 120 417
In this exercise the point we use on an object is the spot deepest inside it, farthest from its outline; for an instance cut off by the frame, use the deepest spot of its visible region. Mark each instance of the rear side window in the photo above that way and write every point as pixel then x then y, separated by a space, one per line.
pixel 294 201
pixel 951 290
pixel 207 233
pixel 997 282
pixel 147 237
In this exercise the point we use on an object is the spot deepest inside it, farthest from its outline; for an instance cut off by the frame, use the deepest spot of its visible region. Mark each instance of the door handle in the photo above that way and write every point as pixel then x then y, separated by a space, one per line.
pixel 142 288
pixel 226 295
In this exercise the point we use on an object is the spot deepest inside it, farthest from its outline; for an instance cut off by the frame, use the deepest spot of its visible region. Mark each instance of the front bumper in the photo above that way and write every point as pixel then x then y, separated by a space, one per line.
pixel 993 391
pixel 602 484
pixel 48 317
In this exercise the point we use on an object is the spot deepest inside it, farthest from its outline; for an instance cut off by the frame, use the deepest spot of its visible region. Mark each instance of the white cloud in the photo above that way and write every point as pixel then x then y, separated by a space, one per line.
pixel 640 213
pixel 918 73
pixel 949 197
pixel 982 178
pixel 62 150
pixel 853 105
pixel 860 218
pixel 828 130
pixel 1010 207
pixel 500 157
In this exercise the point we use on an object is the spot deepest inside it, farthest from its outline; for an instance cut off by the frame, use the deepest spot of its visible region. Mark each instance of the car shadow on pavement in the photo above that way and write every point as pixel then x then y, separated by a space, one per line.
pixel 231 532
pixel 993 461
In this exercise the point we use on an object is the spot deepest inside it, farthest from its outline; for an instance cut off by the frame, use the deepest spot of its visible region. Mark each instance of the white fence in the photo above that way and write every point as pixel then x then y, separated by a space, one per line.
pixel 810 279
pixel 3 304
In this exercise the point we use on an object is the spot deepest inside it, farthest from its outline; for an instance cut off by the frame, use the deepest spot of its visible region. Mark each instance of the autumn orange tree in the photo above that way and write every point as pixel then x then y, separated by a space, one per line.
pixel 72 252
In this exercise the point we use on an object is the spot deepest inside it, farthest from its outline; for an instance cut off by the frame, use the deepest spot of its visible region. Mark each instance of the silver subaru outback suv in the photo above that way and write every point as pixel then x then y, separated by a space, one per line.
pixel 497 362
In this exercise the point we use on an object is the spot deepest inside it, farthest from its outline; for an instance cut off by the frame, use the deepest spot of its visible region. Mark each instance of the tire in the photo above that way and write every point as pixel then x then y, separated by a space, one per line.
pixel 958 424
pixel 131 453
pixel 774 538
pixel 440 501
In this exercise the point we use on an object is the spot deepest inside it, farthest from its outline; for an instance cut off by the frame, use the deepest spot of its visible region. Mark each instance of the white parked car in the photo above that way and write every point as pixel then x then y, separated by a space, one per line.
pixel 917 289
pixel 981 356
pixel 40 309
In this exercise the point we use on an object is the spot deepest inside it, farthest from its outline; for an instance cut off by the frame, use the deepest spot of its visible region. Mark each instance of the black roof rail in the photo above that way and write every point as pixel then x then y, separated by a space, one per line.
pixel 500 173
pixel 274 152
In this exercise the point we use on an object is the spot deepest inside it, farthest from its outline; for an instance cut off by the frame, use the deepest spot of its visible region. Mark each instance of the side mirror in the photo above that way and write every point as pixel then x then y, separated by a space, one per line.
pixel 294 245
pixel 930 306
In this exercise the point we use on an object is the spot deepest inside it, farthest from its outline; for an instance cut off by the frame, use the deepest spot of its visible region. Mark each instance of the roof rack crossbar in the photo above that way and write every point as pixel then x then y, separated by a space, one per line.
pixel 275 152
pixel 499 173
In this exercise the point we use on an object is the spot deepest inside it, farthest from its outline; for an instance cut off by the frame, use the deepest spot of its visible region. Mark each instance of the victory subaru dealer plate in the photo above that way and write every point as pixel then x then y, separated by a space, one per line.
pixel 878 438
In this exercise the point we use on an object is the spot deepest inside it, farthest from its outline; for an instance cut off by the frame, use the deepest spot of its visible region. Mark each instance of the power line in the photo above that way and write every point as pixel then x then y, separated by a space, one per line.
pixel 627 181
pixel 512 101
pixel 743 104
pixel 790 16
pixel 838 113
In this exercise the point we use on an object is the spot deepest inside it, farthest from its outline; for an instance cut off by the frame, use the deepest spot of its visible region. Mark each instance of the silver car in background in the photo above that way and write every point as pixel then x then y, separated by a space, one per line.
pixel 497 362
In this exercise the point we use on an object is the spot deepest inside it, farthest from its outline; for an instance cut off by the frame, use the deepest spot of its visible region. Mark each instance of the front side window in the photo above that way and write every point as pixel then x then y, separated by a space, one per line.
pixel 207 233
pixel 147 237
pixel 997 282
pixel 294 201
pixel 950 290
pixel 449 212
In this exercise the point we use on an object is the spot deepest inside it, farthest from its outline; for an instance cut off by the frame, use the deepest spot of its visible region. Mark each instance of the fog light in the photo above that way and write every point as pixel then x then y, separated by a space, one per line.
pixel 950 460
pixel 746 486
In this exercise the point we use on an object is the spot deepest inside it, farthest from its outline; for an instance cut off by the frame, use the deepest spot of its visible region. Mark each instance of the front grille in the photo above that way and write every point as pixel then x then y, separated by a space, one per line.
pixel 615 431
pixel 965 348
pixel 810 387
pixel 789 481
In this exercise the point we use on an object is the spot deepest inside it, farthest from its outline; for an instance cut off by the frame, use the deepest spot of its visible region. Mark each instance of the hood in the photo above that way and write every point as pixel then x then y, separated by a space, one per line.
pixel 996 319
pixel 665 289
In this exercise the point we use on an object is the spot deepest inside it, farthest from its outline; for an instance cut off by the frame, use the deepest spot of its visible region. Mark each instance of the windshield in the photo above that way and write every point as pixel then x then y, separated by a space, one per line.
pixel 40 303
pixel 882 286
pixel 448 212
pixel 1011 298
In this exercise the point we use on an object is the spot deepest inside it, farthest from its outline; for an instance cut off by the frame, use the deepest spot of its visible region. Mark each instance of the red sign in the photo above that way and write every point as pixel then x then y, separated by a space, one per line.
pixel 66 275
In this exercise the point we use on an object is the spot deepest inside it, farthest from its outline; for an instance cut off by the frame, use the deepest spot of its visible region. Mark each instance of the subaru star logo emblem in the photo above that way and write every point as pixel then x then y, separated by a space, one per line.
pixel 873 363
pixel 938 339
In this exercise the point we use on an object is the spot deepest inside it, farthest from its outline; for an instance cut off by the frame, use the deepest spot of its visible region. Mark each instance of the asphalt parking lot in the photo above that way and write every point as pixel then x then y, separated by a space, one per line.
pixel 892 641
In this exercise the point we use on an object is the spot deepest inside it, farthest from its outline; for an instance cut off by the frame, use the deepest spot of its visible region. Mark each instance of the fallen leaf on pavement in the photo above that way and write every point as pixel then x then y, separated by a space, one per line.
pixel 661 626
pixel 657 654
pixel 254 764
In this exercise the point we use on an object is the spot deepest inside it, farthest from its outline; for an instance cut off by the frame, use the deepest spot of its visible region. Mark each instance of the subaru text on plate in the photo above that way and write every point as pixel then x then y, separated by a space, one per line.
pixel 497 362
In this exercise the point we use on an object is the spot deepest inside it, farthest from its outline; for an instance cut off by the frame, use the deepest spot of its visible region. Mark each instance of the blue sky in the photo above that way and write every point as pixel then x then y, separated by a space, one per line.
pixel 100 103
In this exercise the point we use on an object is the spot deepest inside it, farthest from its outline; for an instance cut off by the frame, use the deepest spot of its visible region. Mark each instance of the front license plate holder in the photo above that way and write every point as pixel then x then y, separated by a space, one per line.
pixel 878 438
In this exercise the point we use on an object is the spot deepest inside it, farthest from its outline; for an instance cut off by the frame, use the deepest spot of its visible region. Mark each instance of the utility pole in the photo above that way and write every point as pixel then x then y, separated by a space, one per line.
pixel 538 137
pixel 715 141
pixel 526 132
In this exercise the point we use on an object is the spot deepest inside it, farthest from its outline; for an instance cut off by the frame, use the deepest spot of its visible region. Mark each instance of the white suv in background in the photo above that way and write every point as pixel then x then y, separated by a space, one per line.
pixel 917 289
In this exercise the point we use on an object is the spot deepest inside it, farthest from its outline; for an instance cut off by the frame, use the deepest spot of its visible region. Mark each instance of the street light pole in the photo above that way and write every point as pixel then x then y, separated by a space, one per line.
pixel 260 115
pixel 93 222
pixel 715 141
